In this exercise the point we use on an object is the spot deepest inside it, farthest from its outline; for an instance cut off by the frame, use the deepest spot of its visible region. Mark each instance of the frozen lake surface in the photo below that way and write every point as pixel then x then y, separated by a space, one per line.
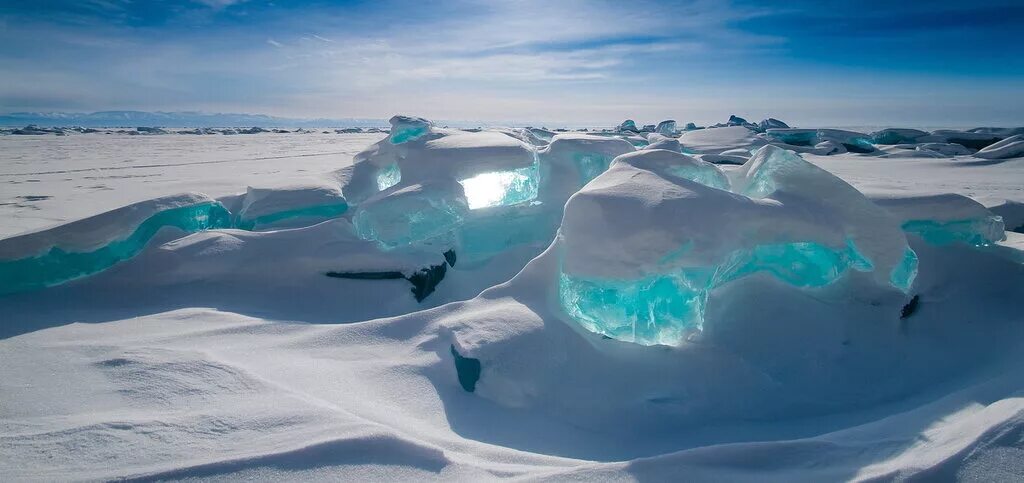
pixel 450 325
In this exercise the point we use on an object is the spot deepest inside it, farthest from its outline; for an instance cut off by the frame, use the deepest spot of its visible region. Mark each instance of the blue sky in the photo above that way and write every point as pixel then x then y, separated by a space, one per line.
pixel 933 63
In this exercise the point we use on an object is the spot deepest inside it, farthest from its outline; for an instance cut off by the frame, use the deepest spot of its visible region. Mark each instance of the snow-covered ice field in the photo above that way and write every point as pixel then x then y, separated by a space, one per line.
pixel 52 179
pixel 227 354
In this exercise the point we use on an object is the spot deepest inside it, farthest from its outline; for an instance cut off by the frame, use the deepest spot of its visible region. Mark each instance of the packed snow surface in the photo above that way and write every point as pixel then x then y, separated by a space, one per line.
pixel 748 301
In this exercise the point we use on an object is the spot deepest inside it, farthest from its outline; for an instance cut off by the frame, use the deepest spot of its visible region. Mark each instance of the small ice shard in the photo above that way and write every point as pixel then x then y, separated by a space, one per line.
pixel 418 214
pixel 945 219
pixel 1011 147
pixel 896 136
pixel 407 128
pixel 648 128
pixel 627 126
pixel 289 206
pixel 91 245
pixel 666 128
pixel 691 127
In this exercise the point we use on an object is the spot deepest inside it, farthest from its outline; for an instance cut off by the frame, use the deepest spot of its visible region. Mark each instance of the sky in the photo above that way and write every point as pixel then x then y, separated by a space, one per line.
pixel 937 63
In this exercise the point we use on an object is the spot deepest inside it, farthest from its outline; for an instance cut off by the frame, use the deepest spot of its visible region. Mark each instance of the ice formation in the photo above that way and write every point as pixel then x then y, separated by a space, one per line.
pixel 851 141
pixel 945 219
pixel 1011 147
pixel 896 136
pixel 666 128
pixel 91 245
pixel 265 208
pixel 644 244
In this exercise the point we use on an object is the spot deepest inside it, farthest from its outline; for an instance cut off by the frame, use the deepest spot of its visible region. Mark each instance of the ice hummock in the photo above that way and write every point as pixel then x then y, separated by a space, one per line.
pixel 644 244
pixel 91 245
pixel 289 206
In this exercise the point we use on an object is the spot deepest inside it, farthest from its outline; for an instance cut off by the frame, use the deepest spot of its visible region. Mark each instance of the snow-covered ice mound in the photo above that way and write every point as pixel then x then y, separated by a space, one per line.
pixel 644 244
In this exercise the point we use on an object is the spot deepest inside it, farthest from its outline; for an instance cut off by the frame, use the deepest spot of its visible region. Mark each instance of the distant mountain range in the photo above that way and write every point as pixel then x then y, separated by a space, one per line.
pixel 173 119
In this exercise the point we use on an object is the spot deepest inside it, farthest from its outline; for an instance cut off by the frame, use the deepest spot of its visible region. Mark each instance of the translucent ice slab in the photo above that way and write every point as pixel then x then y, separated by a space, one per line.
pixel 58 265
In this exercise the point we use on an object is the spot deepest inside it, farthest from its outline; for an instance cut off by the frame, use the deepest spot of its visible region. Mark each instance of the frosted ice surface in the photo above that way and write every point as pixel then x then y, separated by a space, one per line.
pixel 502 188
pixel 418 214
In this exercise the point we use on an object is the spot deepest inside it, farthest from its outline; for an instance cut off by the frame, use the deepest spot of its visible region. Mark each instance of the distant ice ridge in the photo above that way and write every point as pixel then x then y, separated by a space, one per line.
pixel 645 243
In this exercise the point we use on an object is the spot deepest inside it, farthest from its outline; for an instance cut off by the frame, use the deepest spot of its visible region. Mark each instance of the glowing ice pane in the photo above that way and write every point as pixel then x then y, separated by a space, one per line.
pixel 501 188
pixel 388 176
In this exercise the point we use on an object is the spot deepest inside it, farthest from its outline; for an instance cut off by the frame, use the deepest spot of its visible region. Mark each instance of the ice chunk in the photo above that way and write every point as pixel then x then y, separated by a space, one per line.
pixel 91 245
pixel 896 136
pixel 644 245
pixel 658 141
pixel 852 141
pixel 406 128
pixel 418 214
pixel 795 137
pixel 488 232
pixel 771 123
pixel 945 149
pixel 666 128
pixel 502 188
pixel 735 120
pixel 677 165
pixel 714 141
pixel 968 139
pixel 289 206
pixel 572 160
pixel 627 126
pixel 1011 147
pixel 945 219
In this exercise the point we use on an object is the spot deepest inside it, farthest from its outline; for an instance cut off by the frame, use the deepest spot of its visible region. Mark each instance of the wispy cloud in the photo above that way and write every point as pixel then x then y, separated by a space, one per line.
pixel 571 59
